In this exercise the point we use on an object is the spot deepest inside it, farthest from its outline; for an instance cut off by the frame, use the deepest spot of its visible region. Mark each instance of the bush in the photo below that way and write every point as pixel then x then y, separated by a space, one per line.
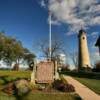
pixel 65 67
pixel 9 88
pixel 97 67
pixel 64 87
pixel 85 69
pixel 69 88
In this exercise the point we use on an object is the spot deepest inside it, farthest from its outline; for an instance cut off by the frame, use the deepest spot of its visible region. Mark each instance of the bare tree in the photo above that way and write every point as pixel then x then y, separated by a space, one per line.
pixel 74 58
pixel 57 46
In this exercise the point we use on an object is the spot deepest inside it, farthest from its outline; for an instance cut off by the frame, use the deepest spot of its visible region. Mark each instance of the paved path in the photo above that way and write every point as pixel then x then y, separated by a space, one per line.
pixel 83 91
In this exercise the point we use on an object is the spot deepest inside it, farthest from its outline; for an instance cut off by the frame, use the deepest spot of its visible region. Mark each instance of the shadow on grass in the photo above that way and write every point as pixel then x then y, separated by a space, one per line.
pixel 6 79
pixel 89 75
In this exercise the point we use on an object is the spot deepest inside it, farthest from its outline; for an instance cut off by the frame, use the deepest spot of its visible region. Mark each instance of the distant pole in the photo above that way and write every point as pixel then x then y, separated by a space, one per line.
pixel 50 44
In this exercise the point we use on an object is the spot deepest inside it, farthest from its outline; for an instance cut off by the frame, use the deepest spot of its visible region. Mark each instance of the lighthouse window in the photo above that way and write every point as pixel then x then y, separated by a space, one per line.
pixel 83 37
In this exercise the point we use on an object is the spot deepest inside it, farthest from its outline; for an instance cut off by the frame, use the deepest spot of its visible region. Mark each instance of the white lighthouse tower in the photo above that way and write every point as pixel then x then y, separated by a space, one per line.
pixel 84 60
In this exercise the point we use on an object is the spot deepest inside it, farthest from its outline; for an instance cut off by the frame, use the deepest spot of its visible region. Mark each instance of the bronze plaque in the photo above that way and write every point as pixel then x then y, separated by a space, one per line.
pixel 45 72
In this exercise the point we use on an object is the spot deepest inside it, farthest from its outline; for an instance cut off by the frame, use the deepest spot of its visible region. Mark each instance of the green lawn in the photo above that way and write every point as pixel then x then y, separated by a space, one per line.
pixel 49 96
pixel 8 76
pixel 91 83
pixel 91 80
pixel 19 74
pixel 42 96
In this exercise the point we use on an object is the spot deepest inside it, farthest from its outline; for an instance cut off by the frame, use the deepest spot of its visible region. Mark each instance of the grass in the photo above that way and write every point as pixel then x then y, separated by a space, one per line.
pixel 91 80
pixel 9 76
pixel 93 84
pixel 19 74
pixel 90 75
pixel 4 96
pixel 54 96
pixel 43 96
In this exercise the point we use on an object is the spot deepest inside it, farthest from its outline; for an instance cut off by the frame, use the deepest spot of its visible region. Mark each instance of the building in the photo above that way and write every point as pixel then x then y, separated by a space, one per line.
pixel 62 58
pixel 98 44
pixel 83 57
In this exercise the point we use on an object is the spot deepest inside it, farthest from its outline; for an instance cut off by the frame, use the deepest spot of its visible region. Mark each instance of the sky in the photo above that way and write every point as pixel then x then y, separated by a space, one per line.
pixel 27 20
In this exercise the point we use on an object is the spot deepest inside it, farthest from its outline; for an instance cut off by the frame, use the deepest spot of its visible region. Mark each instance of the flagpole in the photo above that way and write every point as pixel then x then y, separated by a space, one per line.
pixel 50 44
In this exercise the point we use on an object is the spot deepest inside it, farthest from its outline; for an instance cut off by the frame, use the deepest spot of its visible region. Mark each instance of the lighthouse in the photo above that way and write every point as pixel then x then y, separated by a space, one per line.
pixel 83 57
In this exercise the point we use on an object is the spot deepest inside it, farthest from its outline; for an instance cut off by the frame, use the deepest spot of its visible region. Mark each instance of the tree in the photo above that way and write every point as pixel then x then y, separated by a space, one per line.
pixel 18 51
pixel 29 58
pixel 97 67
pixel 6 48
pixel 74 58
pixel 57 47
pixel 65 67
pixel 2 43
pixel 16 67
pixel 12 51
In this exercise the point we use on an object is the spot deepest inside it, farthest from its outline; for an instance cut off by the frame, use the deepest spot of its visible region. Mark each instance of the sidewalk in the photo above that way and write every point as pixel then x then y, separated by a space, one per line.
pixel 84 92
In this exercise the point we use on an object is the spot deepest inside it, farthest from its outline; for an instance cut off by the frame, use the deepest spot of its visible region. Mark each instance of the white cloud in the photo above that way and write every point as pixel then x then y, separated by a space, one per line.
pixel 42 3
pixel 55 22
pixel 95 55
pixel 93 34
pixel 76 13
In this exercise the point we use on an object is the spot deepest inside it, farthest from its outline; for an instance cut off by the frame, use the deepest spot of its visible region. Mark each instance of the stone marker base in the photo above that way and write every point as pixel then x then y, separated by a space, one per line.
pixel 44 72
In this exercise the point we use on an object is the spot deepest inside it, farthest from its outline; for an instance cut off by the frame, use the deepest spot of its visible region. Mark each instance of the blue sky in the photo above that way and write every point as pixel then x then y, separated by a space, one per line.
pixel 27 20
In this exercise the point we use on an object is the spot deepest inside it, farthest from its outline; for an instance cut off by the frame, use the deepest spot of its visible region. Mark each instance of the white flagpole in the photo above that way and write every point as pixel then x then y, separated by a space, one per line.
pixel 50 44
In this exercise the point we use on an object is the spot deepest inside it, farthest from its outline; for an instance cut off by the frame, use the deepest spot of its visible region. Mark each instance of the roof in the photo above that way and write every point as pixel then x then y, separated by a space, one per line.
pixel 98 42
pixel 81 32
